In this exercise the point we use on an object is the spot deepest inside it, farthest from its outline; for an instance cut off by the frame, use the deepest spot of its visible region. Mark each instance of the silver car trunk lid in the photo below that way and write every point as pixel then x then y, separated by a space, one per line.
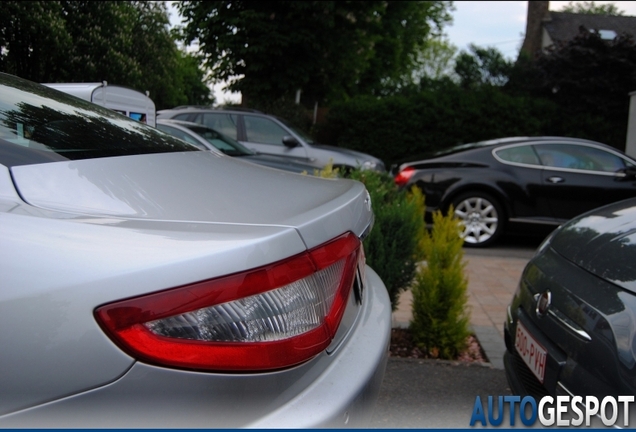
pixel 162 187
pixel 149 226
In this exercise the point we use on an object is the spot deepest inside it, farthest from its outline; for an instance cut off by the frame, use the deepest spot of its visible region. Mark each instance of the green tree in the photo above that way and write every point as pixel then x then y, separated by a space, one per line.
pixel 482 66
pixel 589 78
pixel 190 83
pixel 102 41
pixel 592 8
pixel 124 43
pixel 129 43
pixel 435 60
pixel 34 41
pixel 329 50
pixel 416 39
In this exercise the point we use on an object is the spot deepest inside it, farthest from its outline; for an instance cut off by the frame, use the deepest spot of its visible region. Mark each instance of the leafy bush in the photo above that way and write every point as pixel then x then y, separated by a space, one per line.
pixel 440 318
pixel 392 248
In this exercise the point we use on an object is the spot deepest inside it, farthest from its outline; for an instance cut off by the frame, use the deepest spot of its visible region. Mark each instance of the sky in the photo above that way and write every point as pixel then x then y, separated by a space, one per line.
pixel 499 24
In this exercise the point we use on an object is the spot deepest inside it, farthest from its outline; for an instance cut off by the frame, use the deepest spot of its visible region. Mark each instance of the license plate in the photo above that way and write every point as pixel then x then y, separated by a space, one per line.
pixel 531 351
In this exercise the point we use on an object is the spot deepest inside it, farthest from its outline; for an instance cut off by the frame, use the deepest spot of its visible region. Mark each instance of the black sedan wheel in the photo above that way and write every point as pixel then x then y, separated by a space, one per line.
pixel 482 218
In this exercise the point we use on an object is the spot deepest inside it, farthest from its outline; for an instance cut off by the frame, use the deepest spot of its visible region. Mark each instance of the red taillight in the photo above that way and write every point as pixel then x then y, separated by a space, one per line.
pixel 403 177
pixel 262 319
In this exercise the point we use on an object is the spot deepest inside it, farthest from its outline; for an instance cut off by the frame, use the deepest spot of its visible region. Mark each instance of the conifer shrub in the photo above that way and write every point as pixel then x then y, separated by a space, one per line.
pixel 440 317
pixel 328 171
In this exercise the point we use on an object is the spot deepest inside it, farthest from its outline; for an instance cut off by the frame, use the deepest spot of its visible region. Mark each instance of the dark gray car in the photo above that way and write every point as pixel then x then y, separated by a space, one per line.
pixel 267 134
pixel 208 139
pixel 571 325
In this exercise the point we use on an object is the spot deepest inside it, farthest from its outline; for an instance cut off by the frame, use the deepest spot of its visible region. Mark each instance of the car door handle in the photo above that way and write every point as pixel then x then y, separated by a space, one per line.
pixel 555 179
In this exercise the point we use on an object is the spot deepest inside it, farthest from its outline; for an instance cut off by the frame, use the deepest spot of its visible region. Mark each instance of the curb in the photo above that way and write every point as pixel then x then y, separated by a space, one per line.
pixel 489 339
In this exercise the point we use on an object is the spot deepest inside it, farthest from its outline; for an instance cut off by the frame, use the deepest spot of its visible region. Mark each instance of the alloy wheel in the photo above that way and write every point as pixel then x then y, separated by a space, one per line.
pixel 479 218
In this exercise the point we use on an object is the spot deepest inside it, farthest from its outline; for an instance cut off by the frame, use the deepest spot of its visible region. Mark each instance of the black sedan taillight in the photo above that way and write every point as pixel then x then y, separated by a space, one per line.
pixel 403 177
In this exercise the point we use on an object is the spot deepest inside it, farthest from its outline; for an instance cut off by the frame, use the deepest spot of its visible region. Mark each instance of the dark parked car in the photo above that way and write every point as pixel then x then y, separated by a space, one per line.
pixel 493 185
pixel 268 134
pixel 208 139
pixel 571 325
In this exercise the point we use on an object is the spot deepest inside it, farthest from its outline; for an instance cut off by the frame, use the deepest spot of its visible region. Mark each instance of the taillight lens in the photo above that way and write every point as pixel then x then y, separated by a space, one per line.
pixel 262 319
pixel 403 177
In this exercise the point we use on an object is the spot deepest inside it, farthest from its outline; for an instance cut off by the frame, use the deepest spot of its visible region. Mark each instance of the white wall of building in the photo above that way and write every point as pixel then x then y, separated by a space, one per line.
pixel 630 145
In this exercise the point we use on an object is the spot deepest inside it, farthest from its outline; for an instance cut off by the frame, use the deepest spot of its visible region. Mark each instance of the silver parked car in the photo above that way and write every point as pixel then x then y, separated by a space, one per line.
pixel 268 134
pixel 146 283
pixel 208 139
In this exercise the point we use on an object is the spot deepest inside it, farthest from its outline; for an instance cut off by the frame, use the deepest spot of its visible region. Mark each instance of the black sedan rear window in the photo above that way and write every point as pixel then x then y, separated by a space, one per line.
pixel 39 125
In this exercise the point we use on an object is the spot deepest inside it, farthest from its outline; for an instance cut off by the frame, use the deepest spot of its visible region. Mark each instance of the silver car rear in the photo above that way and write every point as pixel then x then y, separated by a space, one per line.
pixel 149 284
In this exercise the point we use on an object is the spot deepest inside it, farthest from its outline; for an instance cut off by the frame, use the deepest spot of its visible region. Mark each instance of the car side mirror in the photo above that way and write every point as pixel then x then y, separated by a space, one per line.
pixel 290 142
pixel 628 173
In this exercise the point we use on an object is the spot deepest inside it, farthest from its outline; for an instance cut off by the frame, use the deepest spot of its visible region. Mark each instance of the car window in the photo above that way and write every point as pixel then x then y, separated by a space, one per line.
pixel 610 161
pixel 181 135
pixel 519 154
pixel 222 142
pixel 309 140
pixel 579 157
pixel 221 122
pixel 39 125
pixel 184 117
pixel 263 130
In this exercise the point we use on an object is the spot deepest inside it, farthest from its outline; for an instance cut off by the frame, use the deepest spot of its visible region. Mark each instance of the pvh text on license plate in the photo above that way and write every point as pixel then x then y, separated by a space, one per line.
pixel 532 353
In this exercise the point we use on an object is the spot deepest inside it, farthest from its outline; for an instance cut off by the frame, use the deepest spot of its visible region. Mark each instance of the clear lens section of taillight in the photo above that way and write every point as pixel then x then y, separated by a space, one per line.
pixel 274 315
pixel 265 318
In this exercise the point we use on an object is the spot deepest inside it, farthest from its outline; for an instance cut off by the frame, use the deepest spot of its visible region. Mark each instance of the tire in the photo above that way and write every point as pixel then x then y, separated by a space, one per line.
pixel 482 217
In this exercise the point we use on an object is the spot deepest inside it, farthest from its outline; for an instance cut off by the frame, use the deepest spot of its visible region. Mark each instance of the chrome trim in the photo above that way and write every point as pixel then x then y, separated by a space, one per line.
pixel 509 311
pixel 534 221
pixel 564 388
pixel 580 171
pixel 569 324
pixel 365 233
pixel 358 285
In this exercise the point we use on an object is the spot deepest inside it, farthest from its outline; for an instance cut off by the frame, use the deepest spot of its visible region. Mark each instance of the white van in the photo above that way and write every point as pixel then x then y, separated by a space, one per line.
pixel 126 101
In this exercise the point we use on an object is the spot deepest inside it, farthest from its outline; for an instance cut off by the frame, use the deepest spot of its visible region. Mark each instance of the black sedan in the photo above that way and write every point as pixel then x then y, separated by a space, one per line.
pixel 571 325
pixel 498 184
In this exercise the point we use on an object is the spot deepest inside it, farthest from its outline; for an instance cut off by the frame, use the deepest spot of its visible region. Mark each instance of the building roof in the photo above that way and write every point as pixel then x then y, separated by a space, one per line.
pixel 564 26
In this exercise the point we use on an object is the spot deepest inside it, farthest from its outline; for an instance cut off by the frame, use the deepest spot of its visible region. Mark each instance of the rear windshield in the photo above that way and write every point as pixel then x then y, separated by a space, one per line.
pixel 39 125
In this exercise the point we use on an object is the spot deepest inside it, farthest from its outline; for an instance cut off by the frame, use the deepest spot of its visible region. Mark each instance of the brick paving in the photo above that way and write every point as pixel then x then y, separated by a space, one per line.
pixel 493 276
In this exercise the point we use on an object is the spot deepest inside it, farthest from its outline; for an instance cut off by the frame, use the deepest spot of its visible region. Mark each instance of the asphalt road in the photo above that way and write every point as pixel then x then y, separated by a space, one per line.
pixel 434 394
pixel 440 394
